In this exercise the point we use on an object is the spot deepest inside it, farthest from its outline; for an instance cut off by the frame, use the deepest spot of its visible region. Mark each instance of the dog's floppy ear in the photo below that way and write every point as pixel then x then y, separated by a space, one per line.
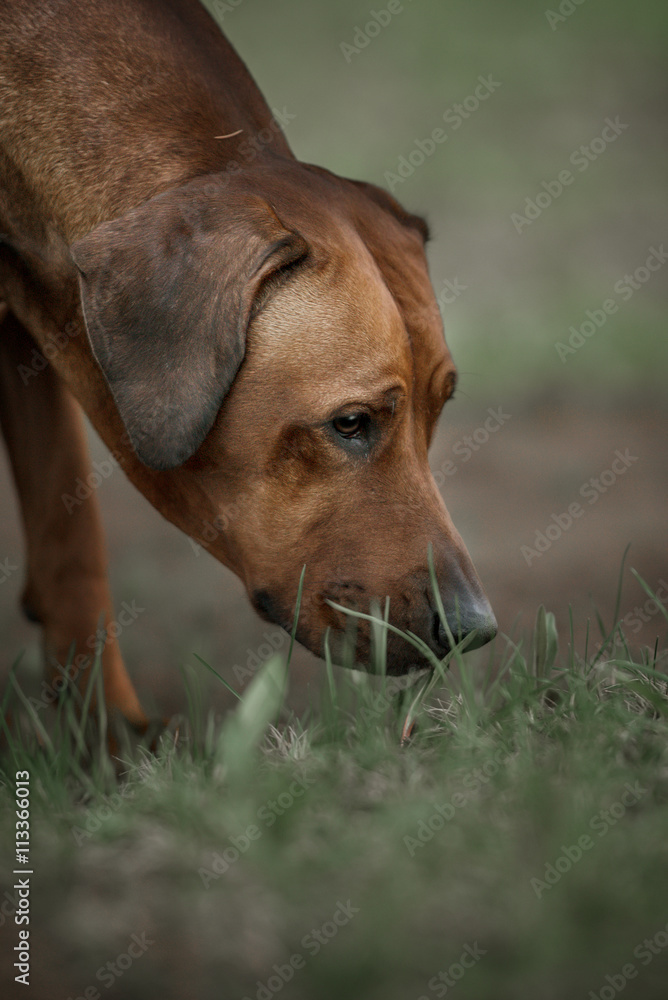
pixel 167 293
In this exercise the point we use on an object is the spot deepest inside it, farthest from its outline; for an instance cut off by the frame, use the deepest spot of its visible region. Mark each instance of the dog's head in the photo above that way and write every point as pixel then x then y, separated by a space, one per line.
pixel 274 340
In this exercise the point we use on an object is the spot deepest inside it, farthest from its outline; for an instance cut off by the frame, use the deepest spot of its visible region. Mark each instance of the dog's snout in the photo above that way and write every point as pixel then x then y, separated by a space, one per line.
pixel 477 622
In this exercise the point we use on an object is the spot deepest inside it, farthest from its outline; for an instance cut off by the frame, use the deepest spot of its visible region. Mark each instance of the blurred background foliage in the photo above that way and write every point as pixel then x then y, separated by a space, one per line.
pixel 561 74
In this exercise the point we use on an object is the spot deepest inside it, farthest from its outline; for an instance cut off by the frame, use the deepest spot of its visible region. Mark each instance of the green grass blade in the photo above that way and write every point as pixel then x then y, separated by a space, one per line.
pixel 32 714
pixel 298 605
pixel 329 669
pixel 244 729
pixel 408 636
pixel 620 581
pixel 218 676
pixel 648 590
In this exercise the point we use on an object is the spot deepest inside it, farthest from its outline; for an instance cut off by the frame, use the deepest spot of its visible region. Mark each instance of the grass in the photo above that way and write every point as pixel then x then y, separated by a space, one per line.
pixel 518 838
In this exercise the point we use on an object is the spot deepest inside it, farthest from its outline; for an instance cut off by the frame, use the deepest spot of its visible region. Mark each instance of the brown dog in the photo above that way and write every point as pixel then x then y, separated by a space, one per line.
pixel 247 334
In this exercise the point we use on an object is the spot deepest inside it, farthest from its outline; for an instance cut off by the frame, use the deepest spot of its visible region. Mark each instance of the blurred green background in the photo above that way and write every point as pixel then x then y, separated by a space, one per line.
pixel 561 76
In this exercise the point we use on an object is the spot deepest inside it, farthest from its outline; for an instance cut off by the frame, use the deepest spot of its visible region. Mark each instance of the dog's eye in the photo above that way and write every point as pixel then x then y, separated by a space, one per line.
pixel 351 425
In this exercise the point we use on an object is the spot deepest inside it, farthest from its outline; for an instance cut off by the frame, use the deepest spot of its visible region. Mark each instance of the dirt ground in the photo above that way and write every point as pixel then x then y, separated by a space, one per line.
pixel 510 480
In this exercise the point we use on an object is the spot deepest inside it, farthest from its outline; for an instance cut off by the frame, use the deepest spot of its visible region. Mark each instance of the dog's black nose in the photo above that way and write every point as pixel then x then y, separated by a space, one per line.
pixel 463 622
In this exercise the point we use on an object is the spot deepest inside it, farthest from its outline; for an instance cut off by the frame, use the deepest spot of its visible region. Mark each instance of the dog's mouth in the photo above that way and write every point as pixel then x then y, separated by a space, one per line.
pixel 345 637
pixel 342 622
pixel 271 609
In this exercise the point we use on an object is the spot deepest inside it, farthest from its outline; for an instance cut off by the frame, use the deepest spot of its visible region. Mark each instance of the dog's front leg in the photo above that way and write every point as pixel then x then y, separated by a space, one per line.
pixel 66 587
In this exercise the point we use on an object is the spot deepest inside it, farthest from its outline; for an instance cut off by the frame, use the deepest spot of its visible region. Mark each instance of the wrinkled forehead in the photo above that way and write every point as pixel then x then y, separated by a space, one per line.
pixel 334 330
